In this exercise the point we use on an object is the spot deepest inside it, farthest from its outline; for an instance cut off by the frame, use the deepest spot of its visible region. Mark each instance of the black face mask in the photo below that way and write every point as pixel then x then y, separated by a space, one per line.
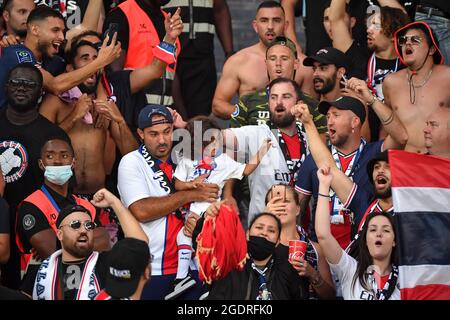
pixel 260 248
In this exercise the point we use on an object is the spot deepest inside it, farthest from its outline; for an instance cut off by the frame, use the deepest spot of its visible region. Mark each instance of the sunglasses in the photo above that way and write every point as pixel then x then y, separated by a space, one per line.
pixel 27 84
pixel 76 224
pixel 416 40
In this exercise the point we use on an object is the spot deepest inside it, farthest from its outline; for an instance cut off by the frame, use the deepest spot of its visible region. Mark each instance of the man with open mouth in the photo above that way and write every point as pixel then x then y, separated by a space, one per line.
pixel 45 36
pixel 419 90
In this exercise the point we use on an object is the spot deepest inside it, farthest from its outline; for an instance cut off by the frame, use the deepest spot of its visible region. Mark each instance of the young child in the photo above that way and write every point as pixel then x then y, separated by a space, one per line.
pixel 208 165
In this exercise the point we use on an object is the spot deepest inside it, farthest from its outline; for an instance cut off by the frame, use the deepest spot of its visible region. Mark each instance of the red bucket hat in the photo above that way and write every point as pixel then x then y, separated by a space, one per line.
pixel 437 56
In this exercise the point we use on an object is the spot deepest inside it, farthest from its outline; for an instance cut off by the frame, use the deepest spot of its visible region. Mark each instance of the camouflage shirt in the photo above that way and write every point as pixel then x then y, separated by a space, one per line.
pixel 253 109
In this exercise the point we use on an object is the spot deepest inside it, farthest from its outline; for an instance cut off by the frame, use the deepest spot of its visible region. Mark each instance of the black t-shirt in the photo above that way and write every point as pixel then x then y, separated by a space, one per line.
pixel 20 147
pixel 382 69
pixel 31 220
pixel 120 81
pixel 117 16
pixel 71 276
pixel 357 59
pixel 4 216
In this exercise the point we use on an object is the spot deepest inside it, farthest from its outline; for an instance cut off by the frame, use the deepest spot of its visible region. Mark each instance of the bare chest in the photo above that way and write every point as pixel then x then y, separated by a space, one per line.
pixel 253 76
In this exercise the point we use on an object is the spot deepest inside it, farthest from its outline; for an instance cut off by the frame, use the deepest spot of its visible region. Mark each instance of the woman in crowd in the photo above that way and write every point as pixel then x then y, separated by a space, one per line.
pixel 282 201
pixel 374 275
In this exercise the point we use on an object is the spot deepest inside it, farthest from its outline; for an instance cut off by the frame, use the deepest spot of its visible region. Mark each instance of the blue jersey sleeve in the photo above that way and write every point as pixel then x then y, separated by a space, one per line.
pixel 303 183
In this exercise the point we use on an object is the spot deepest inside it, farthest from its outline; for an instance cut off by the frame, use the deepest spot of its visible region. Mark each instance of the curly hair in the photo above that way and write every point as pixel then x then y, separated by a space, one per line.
pixel 392 19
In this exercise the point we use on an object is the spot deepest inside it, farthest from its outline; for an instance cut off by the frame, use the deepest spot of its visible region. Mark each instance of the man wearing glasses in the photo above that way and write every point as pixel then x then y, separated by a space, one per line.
pixel 419 90
pixel 382 61
pixel 23 132
pixel 36 238
pixel 77 272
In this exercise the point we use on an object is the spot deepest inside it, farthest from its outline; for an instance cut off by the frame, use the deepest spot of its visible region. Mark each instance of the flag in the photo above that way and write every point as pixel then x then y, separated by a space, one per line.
pixel 421 196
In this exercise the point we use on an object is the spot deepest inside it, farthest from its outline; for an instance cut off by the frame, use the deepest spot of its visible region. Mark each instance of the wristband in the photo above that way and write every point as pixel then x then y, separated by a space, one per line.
pixel 323 195
pixel 165 52
pixel 374 99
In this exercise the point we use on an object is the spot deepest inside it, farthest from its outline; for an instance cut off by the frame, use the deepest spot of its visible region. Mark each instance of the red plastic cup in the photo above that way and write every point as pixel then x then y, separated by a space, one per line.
pixel 297 249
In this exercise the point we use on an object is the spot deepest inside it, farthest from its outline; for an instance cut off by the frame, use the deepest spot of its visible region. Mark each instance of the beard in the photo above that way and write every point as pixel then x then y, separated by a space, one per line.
pixel 23 106
pixel 339 141
pixel 384 194
pixel 88 89
pixel 21 33
pixel 284 121
pixel 43 48
pixel 80 252
pixel 328 84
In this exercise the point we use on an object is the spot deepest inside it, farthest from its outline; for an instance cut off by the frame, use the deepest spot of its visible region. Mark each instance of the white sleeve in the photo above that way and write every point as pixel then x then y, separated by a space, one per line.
pixel 345 269
pixel 235 170
pixel 181 172
pixel 131 181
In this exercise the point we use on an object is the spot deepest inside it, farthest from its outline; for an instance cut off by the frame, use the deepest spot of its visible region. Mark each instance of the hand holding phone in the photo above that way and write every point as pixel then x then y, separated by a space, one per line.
pixel 112 28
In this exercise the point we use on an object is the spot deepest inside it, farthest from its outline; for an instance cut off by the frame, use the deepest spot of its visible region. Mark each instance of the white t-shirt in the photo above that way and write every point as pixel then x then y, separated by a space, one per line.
pixel 224 168
pixel 345 270
pixel 136 181
pixel 272 169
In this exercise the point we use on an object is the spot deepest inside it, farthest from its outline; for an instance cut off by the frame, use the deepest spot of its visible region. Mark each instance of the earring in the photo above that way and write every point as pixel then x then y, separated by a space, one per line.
pixel 353 130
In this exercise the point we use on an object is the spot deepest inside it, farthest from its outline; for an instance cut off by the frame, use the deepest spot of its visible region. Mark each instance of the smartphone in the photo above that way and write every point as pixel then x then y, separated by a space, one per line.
pixel 279 191
pixel 112 28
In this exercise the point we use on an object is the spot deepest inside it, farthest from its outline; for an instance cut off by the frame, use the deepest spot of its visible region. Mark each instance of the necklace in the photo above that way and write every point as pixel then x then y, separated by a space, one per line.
pixel 413 87
pixel 423 82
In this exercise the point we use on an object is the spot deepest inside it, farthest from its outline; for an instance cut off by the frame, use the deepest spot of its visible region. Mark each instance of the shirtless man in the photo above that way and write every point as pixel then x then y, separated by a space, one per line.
pixel 89 140
pixel 416 92
pixel 246 71
pixel 92 144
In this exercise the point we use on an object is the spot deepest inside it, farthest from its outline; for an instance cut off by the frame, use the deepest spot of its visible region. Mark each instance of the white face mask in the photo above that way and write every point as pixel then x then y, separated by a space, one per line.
pixel 58 174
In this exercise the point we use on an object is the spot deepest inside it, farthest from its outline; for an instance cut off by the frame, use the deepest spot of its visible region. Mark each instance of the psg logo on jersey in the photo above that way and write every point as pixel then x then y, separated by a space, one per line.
pixel 13 160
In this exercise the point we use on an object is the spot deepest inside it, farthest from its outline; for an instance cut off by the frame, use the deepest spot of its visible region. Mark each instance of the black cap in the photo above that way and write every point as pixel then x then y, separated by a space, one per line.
pixel 327 55
pixel 127 261
pixel 345 103
pixel 66 211
pixel 283 41
pixel 381 156
pixel 146 114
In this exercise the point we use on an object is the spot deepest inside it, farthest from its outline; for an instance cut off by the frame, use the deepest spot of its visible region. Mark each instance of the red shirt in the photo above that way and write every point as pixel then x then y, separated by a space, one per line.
pixel 167 169
pixel 293 145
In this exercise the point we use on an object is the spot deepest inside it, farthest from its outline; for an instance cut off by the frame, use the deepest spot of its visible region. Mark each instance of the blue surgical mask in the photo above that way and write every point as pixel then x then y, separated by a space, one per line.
pixel 58 174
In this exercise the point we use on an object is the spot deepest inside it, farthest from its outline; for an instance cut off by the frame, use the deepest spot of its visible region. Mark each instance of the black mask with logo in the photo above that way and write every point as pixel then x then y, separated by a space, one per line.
pixel 260 248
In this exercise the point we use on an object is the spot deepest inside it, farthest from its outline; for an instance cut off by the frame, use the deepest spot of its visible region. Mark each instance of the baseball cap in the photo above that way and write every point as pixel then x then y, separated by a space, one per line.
pixel 381 156
pixel 146 114
pixel 283 41
pixel 438 58
pixel 66 211
pixel 345 103
pixel 328 55
pixel 127 261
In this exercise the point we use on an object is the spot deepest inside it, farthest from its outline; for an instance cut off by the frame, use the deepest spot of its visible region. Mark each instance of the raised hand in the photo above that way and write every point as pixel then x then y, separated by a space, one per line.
pixel 108 54
pixel 358 89
pixel 324 175
pixel 174 26
pixel 104 199
pixel 264 148
pixel 178 121
pixel 301 112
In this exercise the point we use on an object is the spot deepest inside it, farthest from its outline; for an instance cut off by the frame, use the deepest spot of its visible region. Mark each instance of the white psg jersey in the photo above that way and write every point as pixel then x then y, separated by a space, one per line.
pixel 136 181
pixel 272 169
